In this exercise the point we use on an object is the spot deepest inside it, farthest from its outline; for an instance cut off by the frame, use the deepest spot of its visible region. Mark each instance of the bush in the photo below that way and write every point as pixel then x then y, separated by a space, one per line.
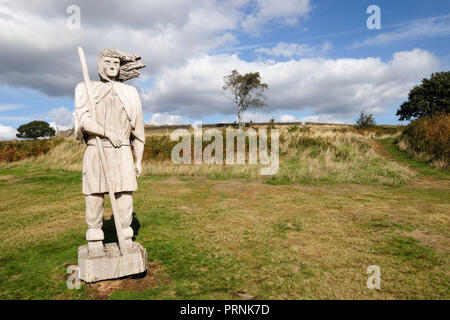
pixel 365 121
pixel 293 128
pixel 158 147
pixel 272 123
pixel 429 138
pixel 342 153
pixel 18 150
pixel 302 142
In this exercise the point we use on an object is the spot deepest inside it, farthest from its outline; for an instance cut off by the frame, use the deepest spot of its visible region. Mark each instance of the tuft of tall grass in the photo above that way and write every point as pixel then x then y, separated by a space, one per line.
pixel 379 131
pixel 336 156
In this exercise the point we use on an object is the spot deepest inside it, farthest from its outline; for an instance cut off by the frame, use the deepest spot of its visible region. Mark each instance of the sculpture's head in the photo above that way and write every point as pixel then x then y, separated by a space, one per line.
pixel 117 65
pixel 110 67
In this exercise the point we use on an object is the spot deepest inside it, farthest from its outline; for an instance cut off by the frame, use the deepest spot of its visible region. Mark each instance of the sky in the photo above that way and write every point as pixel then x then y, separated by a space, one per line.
pixel 321 61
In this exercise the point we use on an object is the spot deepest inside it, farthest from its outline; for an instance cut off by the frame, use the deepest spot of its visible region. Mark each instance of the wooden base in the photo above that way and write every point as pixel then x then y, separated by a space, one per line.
pixel 113 264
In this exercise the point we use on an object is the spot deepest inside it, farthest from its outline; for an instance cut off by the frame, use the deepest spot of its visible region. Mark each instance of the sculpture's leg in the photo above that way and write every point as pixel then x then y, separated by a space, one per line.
pixel 94 219
pixel 125 205
pixel 115 262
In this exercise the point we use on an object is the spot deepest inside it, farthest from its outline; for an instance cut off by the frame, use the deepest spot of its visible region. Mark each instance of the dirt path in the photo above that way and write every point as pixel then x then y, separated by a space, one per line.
pixel 380 149
pixel 422 180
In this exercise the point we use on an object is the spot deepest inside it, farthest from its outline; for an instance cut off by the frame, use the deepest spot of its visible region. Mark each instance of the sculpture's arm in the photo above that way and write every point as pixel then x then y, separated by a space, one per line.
pixel 138 150
pixel 85 122
pixel 91 127
pixel 138 133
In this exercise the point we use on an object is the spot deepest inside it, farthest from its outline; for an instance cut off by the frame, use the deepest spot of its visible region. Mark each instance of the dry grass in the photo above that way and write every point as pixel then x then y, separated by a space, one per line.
pixel 302 242
pixel 67 155
pixel 336 155
pixel 214 238
pixel 325 154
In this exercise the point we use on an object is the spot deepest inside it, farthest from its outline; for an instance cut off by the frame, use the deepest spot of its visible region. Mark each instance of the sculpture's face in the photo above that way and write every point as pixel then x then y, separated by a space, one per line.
pixel 111 67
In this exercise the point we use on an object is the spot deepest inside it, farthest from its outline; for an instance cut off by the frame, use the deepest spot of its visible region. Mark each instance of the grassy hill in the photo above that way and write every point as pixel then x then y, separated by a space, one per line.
pixel 308 154
pixel 341 201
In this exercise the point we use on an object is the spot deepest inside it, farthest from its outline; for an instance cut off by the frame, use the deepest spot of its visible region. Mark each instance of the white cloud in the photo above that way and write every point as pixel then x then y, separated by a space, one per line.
pixel 255 116
pixel 163 118
pixel 287 118
pixel 61 118
pixel 10 106
pixel 338 87
pixel 16 118
pixel 289 50
pixel 416 29
pixel 7 133
pixel 284 12
pixel 324 118
pixel 39 51
pixel 59 127
pixel 174 39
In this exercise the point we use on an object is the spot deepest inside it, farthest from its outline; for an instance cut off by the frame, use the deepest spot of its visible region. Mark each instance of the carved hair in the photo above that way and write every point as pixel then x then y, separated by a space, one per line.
pixel 128 64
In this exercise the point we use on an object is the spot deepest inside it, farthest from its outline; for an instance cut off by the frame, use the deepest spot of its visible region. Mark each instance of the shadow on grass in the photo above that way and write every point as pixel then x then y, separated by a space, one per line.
pixel 109 229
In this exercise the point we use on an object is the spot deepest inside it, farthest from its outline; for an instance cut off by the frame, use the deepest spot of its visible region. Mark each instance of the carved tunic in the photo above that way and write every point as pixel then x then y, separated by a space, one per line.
pixel 111 104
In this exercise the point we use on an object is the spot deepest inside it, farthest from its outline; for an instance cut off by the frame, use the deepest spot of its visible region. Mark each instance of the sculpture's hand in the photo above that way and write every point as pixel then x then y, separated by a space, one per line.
pixel 138 168
pixel 113 139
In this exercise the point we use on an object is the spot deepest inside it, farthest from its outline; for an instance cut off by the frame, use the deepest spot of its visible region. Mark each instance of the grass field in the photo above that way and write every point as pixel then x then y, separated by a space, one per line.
pixel 337 206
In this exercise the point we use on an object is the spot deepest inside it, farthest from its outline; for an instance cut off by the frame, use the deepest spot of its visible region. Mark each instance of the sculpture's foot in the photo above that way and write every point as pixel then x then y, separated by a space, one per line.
pixel 115 264
pixel 126 246
pixel 96 249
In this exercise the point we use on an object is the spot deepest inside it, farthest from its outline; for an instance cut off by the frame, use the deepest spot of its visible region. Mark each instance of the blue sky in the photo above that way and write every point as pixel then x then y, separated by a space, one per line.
pixel 319 58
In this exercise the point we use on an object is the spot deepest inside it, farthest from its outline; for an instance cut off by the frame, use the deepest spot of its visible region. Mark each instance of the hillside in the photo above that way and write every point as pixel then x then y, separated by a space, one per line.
pixel 342 201
pixel 308 154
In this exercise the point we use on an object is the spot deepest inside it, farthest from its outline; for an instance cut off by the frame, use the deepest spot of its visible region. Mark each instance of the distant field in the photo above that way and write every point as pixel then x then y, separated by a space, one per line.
pixel 340 202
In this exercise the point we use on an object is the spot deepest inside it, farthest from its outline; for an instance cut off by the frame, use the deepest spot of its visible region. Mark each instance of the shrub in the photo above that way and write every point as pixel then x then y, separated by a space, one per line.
pixel 302 142
pixel 272 123
pixel 342 153
pixel 292 128
pixel 158 147
pixel 429 138
pixel 18 150
pixel 304 129
pixel 365 121
pixel 388 130
pixel 380 130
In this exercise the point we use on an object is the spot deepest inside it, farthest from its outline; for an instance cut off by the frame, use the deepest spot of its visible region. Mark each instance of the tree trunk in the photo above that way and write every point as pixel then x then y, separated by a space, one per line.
pixel 239 119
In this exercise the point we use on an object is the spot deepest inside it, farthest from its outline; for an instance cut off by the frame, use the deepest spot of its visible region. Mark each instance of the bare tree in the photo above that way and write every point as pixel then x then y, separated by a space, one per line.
pixel 247 90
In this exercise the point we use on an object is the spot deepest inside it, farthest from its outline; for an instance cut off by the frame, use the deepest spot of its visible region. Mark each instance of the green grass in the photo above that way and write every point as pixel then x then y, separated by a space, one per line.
pixel 403 157
pixel 334 208
pixel 211 239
